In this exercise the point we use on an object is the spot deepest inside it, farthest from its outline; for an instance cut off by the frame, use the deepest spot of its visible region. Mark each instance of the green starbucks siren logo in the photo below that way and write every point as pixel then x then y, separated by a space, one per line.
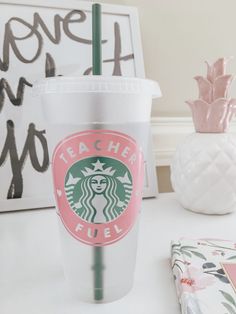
pixel 98 189
pixel 98 180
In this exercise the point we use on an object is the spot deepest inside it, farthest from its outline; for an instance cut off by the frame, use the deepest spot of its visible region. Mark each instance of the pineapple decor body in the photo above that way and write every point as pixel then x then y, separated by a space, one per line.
pixel 203 170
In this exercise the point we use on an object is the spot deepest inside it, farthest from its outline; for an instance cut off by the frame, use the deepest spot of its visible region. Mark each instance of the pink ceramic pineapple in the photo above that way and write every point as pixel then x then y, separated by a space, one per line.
pixel 213 110
pixel 203 171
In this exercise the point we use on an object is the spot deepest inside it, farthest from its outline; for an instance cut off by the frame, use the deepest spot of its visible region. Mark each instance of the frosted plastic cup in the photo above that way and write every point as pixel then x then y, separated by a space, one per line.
pixel 98 129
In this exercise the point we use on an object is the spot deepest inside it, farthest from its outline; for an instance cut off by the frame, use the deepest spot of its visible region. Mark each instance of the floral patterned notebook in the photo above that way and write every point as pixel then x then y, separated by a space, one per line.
pixel 204 273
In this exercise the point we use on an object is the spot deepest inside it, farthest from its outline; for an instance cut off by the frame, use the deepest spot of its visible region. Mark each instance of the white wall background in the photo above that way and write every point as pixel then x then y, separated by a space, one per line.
pixel 178 36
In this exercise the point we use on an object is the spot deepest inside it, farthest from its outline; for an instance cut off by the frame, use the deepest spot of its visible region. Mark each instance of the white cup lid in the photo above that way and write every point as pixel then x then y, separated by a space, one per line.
pixel 97 83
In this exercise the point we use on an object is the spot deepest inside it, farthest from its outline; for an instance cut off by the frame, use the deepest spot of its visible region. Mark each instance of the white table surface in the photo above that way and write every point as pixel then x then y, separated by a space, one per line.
pixel 31 275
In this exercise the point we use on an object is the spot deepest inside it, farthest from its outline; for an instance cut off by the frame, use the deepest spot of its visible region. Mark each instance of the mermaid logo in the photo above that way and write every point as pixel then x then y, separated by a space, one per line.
pixel 98 189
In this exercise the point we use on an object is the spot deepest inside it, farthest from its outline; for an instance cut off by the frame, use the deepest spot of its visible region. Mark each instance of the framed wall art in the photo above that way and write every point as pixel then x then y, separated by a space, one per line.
pixel 42 39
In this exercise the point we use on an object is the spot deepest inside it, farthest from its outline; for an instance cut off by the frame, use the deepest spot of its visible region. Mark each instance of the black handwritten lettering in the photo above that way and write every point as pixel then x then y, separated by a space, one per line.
pixel 68 19
pixel 38 31
pixel 117 50
pixel 117 54
pixel 33 136
pixel 17 99
pixel 17 163
pixel 50 67
pixel 56 37
pixel 10 40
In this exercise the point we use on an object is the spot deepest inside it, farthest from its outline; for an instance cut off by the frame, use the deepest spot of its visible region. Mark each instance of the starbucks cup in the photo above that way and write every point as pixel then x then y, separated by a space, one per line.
pixel 98 131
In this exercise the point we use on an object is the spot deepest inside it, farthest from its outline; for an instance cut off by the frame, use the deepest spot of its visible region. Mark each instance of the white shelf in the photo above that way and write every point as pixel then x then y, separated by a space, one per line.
pixel 31 275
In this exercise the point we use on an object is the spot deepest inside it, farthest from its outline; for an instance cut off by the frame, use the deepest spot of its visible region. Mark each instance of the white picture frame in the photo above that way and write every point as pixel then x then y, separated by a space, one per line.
pixel 11 10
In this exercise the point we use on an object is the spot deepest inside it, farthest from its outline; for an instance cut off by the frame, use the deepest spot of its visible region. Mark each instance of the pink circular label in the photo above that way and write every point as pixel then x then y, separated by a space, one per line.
pixel 98 180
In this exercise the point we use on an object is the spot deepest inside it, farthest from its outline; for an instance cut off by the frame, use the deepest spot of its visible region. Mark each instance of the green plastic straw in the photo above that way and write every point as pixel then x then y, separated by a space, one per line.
pixel 97 70
pixel 97 43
